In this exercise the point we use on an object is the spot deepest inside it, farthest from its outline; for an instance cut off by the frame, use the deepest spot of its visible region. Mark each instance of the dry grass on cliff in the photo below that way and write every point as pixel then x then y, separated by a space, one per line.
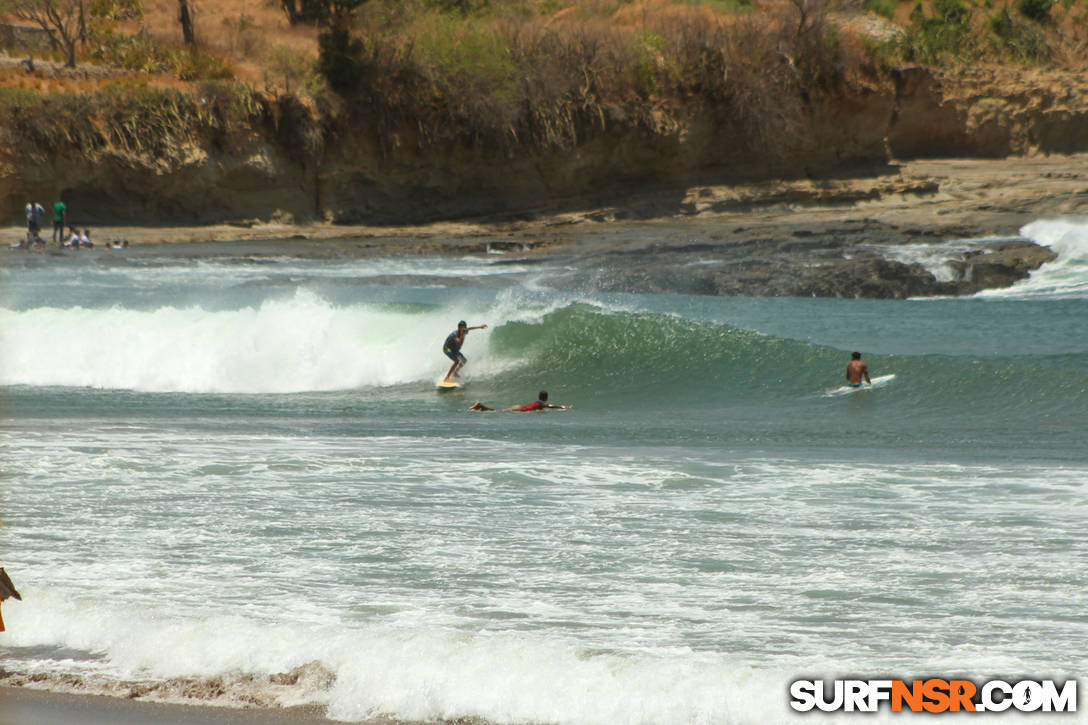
pixel 253 35
pixel 654 40
pixel 249 40
pixel 507 79
pixel 543 73
pixel 158 124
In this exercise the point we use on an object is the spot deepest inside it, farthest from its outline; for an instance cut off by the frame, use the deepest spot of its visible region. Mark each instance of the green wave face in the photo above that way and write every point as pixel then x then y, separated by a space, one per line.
pixel 609 356
pixel 615 355
pixel 604 350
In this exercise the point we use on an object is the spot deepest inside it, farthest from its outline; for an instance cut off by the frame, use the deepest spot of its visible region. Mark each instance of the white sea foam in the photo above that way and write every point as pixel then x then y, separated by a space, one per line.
pixel 1066 276
pixel 418 673
pixel 631 588
pixel 234 270
pixel 930 256
pixel 516 568
pixel 935 257
pixel 427 673
pixel 302 343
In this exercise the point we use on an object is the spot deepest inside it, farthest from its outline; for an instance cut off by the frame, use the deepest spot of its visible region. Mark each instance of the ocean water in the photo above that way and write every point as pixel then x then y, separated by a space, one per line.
pixel 230 480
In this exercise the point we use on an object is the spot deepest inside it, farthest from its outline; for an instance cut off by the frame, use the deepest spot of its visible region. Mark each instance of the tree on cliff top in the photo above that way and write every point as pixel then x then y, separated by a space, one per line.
pixel 339 53
pixel 63 20
pixel 319 12
pixel 185 17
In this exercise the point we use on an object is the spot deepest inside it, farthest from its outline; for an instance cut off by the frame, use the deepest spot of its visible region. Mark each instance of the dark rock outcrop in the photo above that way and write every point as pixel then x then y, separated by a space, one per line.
pixel 844 261
pixel 1001 266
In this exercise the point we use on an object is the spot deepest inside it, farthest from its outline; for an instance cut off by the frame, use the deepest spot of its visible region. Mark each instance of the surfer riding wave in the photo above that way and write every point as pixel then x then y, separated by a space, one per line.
pixel 451 348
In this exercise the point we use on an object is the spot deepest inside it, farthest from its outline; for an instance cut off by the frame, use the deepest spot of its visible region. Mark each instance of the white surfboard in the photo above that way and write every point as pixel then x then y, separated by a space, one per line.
pixel 878 382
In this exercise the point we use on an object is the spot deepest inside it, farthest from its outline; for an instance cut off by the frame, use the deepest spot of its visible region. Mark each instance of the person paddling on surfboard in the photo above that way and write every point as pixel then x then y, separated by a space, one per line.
pixel 451 348
pixel 856 370
pixel 541 403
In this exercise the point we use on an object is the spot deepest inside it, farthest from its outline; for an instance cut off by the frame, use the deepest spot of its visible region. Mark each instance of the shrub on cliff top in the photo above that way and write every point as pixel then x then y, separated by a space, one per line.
pixel 957 31
pixel 340 59
pixel 934 38
pixel 1037 10
pixel 521 77
pixel 884 8
pixel 140 53
pixel 1017 40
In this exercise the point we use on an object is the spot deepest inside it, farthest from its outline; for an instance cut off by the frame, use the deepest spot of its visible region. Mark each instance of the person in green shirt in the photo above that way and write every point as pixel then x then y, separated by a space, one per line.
pixel 60 218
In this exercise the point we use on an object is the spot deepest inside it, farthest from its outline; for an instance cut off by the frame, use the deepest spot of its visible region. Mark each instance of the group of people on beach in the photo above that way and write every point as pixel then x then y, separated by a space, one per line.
pixel 75 240
pixel 451 348
pixel 35 214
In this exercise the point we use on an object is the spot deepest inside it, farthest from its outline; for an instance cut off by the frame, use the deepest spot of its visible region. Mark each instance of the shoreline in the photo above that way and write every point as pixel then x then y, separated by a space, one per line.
pixel 983 195
pixel 31 706
pixel 798 238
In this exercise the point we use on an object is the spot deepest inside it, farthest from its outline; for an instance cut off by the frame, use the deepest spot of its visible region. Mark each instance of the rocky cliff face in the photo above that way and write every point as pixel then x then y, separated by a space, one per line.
pixel 976 113
pixel 362 182
pixel 355 178
pixel 988 112
pixel 193 182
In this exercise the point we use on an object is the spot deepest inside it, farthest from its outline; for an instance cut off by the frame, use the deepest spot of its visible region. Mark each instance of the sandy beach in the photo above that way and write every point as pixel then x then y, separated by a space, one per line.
pixel 790 238
pixel 973 196
pixel 25 706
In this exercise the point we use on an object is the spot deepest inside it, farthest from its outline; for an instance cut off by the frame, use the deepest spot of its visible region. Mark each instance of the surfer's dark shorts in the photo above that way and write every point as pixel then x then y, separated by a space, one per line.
pixel 455 356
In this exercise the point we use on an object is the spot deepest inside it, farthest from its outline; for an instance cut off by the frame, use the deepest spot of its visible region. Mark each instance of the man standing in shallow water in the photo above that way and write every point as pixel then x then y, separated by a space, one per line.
pixel 856 370
pixel 60 218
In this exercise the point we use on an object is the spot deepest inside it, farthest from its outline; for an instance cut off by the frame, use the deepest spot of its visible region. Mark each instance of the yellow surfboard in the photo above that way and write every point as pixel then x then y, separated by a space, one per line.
pixel 447 385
